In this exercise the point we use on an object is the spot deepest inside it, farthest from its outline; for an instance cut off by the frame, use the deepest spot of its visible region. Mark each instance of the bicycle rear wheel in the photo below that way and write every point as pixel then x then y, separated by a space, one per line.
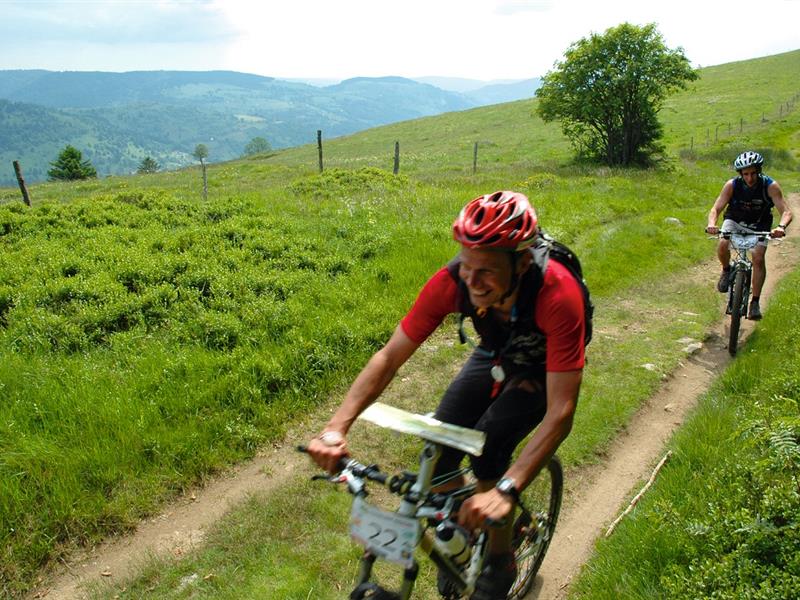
pixel 736 311
pixel 533 532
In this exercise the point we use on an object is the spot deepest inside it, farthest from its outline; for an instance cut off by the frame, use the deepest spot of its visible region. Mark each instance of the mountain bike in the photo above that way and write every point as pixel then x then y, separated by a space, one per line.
pixel 424 522
pixel 741 271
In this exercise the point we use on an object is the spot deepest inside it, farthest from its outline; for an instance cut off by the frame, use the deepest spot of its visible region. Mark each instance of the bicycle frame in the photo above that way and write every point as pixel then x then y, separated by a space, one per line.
pixel 396 535
pixel 741 244
pixel 462 579
pixel 741 269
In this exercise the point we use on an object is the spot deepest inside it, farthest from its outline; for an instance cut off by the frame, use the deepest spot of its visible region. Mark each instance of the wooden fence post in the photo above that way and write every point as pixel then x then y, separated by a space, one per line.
pixel 21 181
pixel 475 159
pixel 691 144
pixel 319 148
pixel 396 169
pixel 205 180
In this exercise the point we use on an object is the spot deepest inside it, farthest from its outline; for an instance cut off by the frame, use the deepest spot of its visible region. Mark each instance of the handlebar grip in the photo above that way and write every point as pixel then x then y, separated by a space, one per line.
pixel 340 466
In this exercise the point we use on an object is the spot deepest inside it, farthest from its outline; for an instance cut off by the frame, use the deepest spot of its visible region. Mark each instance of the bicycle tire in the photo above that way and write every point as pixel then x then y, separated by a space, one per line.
pixel 372 591
pixel 736 311
pixel 532 533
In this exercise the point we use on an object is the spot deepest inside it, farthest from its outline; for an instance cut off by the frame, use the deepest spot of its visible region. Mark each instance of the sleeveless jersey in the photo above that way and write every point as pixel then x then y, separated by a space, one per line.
pixel 751 207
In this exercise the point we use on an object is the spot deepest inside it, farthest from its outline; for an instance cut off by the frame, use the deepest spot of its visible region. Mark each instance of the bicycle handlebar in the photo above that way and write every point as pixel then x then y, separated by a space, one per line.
pixel 354 473
pixel 727 234
pixel 347 464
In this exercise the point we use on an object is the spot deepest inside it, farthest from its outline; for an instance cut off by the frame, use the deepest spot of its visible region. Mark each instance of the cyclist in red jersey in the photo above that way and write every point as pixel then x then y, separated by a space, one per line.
pixel 526 371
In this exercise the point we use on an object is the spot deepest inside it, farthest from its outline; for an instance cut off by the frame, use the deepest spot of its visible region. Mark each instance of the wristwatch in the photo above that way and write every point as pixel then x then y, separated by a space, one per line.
pixel 508 487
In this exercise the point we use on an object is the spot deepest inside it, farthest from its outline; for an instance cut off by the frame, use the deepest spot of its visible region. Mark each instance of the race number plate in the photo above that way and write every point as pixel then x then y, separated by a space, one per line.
pixel 386 534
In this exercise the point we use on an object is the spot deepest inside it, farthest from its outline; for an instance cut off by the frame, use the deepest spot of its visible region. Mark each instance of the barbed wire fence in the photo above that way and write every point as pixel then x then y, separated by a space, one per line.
pixel 729 130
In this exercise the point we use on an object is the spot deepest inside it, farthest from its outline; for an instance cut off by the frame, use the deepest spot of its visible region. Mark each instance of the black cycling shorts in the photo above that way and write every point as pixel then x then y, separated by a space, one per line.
pixel 506 420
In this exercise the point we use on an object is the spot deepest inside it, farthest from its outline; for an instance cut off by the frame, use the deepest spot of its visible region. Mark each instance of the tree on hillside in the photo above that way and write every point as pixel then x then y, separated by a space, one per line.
pixel 201 153
pixel 70 166
pixel 608 90
pixel 256 146
pixel 148 165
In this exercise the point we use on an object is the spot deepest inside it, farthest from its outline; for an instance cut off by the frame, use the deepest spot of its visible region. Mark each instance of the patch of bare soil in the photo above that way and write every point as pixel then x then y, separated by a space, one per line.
pixel 590 505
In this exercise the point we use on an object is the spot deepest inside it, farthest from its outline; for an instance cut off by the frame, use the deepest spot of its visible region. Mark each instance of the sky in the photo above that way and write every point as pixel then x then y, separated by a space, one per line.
pixel 487 40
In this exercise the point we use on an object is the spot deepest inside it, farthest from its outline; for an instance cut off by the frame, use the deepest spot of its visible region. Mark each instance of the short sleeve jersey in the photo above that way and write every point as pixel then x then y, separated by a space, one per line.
pixel 558 314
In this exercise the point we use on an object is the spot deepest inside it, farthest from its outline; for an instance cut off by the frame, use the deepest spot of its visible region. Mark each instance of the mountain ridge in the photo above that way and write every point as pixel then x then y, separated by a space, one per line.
pixel 116 119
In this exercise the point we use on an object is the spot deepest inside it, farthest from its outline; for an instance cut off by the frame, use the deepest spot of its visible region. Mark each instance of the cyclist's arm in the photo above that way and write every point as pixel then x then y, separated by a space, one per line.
pixel 562 399
pixel 782 206
pixel 719 206
pixel 435 301
pixel 371 381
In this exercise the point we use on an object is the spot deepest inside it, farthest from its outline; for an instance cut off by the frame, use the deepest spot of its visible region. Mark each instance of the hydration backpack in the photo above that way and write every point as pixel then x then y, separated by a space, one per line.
pixel 561 253
pixel 546 248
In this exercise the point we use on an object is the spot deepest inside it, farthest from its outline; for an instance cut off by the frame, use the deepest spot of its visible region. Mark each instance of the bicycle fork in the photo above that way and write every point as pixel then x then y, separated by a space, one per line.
pixel 365 572
pixel 408 508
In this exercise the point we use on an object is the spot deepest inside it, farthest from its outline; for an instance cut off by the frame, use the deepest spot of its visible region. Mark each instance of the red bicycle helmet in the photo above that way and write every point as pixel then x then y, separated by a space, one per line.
pixel 504 220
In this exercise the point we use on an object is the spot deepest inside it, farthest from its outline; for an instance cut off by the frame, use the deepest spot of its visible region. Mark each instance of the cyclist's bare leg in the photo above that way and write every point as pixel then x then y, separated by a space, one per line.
pixel 724 253
pixel 759 269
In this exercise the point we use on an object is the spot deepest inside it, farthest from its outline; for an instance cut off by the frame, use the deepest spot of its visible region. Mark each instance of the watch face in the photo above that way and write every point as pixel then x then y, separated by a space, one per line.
pixel 506 486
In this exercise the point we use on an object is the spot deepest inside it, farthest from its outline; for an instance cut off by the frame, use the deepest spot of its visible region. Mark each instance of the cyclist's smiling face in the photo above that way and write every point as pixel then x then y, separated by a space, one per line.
pixel 487 274
pixel 750 176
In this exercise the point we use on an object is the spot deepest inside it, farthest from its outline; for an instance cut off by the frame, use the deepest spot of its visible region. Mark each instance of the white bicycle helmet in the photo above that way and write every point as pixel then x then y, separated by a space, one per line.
pixel 748 159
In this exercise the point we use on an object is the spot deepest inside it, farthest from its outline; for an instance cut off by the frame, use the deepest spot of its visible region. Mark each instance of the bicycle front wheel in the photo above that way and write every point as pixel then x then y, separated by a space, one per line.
pixel 736 311
pixel 533 532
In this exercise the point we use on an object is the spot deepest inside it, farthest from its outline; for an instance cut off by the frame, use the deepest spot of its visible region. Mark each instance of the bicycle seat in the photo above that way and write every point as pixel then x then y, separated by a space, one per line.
pixel 426 427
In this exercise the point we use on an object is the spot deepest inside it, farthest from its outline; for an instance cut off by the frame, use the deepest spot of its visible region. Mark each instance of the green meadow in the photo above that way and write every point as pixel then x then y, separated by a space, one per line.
pixel 150 339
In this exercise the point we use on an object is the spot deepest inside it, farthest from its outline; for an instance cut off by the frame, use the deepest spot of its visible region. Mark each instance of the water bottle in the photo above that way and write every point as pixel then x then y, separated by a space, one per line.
pixel 453 541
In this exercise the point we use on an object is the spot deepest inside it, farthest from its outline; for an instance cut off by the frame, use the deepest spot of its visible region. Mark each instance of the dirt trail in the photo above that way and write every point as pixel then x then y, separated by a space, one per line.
pixel 590 506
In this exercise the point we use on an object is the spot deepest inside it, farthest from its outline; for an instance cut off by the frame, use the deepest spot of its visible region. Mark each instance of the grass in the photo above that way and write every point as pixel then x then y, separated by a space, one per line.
pixel 721 520
pixel 148 339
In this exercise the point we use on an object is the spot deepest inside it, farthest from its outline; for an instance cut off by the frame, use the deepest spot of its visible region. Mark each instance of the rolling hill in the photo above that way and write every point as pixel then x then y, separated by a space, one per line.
pixel 116 119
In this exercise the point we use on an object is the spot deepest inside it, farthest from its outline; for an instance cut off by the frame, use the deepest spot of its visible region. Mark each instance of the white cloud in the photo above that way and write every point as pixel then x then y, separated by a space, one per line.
pixel 478 39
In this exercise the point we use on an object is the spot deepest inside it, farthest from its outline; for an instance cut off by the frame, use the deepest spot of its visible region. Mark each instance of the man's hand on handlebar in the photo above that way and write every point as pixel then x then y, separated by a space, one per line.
pixel 328 449
pixel 485 507
pixel 712 230
pixel 777 232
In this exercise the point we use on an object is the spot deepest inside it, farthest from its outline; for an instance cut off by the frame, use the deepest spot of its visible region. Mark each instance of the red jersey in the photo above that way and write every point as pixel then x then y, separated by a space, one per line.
pixel 558 313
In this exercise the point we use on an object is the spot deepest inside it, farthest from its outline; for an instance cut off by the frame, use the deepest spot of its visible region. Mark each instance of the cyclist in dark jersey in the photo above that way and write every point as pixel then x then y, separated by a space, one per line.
pixel 526 371
pixel 748 201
